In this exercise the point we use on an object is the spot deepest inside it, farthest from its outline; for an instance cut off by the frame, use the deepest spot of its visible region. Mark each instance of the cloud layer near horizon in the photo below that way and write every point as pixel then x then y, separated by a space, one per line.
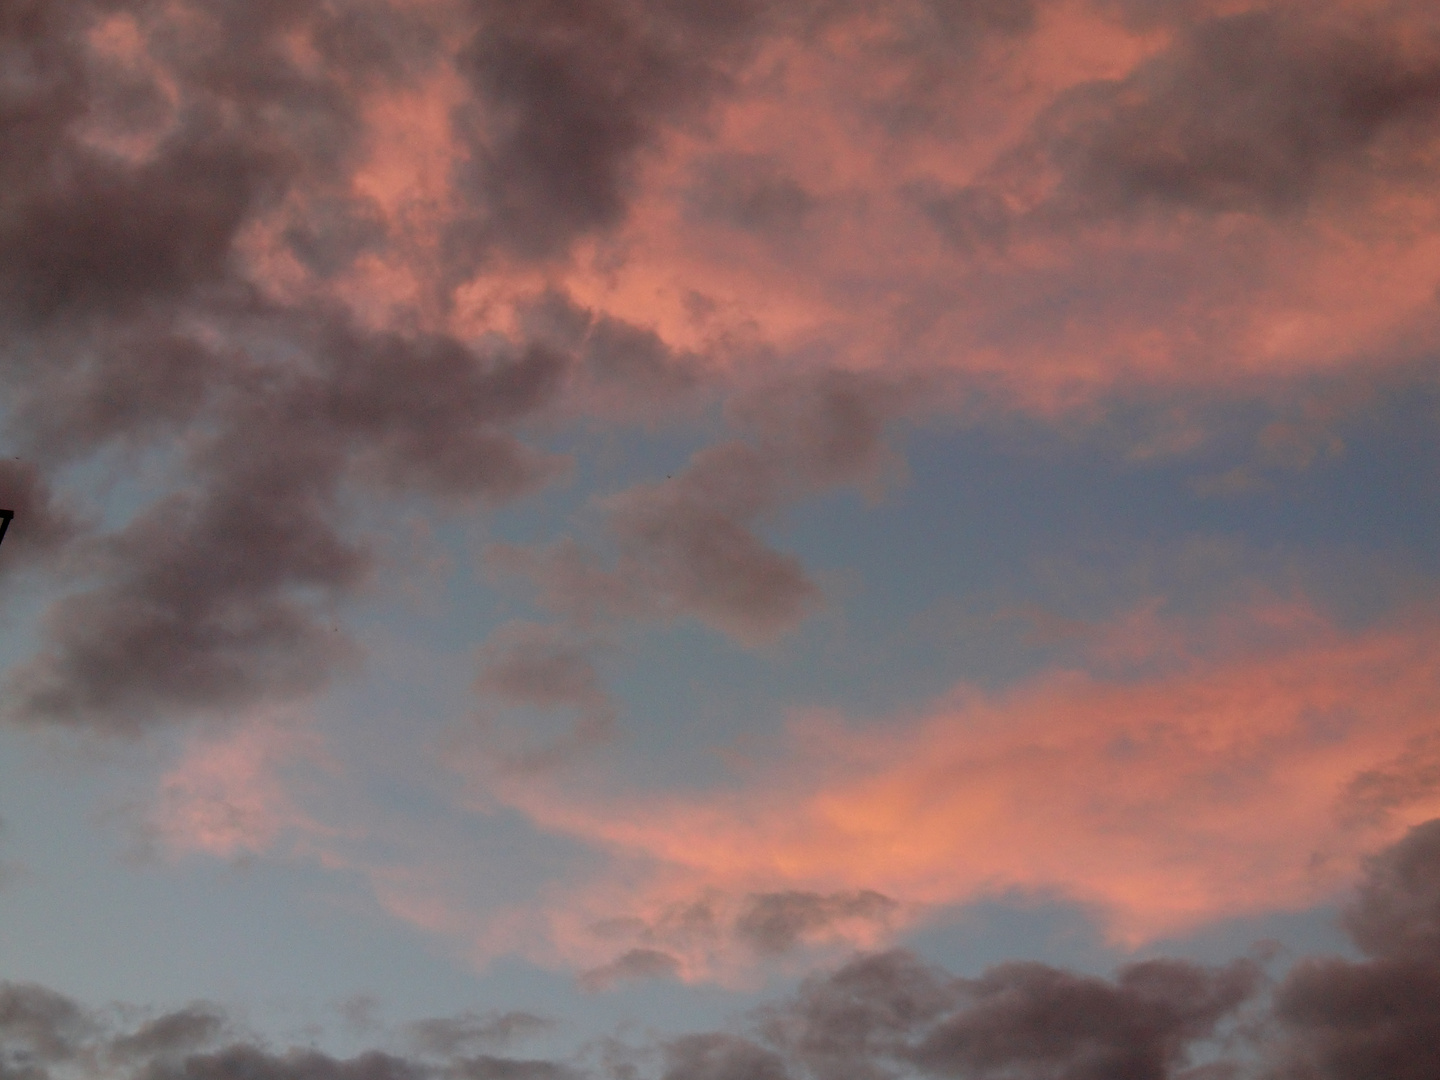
pixel 888 1014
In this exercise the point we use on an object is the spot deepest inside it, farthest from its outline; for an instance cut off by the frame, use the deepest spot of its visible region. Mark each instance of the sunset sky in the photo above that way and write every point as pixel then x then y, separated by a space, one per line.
pixel 720 540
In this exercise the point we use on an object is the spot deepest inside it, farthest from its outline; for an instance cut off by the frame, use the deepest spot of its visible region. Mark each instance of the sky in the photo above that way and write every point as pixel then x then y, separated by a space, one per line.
pixel 719 539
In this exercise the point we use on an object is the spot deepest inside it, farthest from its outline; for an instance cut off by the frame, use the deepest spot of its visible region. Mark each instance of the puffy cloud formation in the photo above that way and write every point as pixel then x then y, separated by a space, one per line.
pixel 888 1014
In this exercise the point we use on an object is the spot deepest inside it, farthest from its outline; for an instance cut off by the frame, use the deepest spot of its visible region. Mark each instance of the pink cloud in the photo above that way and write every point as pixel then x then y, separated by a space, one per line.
pixel 851 201
pixel 1213 784
pixel 227 797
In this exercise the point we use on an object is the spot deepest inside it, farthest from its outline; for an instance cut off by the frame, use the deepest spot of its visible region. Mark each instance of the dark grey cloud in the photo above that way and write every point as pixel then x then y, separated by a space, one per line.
pixel 859 1021
pixel 1347 1021
pixel 889 1015
pixel 776 922
pixel 245 1062
pixel 38 1027
pixel 125 385
pixel 691 545
pixel 182 1031
pixel 631 367
pixel 828 426
pixel 748 192
pixel 572 93
pixel 127 320
pixel 692 540
pixel 533 665
pixel 499 1068
pixel 718 1056
pixel 1250 112
pixel 222 596
pixel 135 175
pixel 42 527
pixel 542 667
pixel 1396 913
pixel 1344 1020
pixel 927 47
pixel 448 1036
pixel 687 546
pixel 428 413
pixel 1028 1020
pixel 87 230
pixel 636 964
pixel 1261 112
pixel 196 611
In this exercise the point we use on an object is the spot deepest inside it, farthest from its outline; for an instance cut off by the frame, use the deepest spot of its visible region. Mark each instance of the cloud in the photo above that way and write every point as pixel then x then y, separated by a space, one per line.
pixel 183 1031
pixel 749 192
pixel 448 1036
pixel 571 95
pixel 227 796
pixel 886 1014
pixel 251 1061
pixel 1345 1019
pixel 38 1022
pixel 1397 910
pixel 1412 777
pixel 540 667
pixel 42 526
pixel 496 1068
pixel 199 608
pixel 690 541
pixel 687 547
pixel 634 964
pixel 717 1056
pixel 1254 112
pixel 324 255
pixel 1030 1020
pixel 776 922
pixel 1207 776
